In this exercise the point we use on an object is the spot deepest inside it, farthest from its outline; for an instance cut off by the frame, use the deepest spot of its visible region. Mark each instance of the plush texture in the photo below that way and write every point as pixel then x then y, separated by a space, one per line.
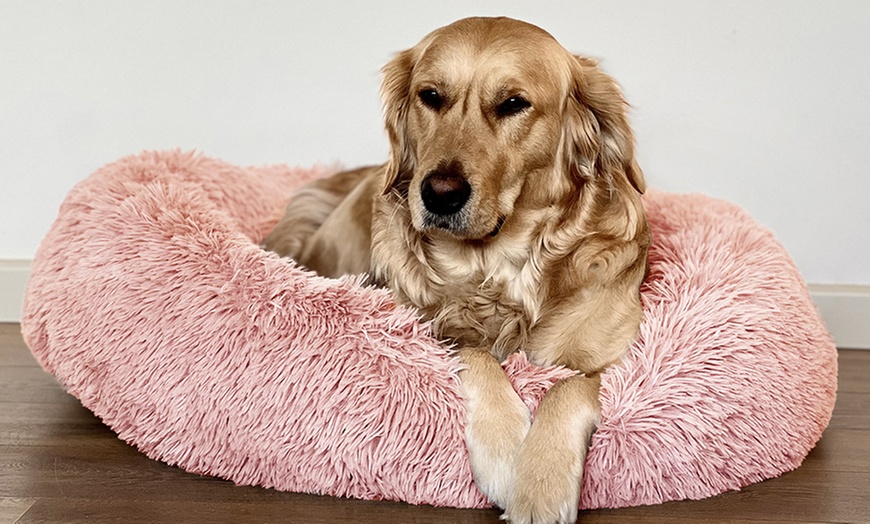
pixel 151 302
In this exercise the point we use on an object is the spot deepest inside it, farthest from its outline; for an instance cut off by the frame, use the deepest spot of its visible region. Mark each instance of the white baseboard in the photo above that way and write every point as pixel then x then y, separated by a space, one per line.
pixel 845 308
pixel 13 281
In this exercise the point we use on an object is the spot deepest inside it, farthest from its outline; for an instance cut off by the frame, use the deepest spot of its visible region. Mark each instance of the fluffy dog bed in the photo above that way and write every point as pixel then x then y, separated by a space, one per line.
pixel 151 302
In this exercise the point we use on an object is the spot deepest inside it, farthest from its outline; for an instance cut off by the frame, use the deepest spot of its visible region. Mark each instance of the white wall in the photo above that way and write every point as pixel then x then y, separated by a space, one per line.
pixel 766 104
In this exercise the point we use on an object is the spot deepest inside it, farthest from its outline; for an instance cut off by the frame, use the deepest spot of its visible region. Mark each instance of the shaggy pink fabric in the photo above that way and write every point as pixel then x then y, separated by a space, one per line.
pixel 151 302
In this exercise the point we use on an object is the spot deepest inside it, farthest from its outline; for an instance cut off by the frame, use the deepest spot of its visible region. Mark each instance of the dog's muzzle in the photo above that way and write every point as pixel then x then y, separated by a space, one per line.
pixel 445 190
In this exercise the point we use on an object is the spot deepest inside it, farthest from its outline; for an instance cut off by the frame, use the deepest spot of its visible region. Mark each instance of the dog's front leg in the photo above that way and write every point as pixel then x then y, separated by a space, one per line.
pixel 549 468
pixel 496 426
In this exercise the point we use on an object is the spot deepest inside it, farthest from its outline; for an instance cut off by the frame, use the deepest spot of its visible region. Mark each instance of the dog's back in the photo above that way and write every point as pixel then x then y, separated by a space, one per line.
pixel 327 225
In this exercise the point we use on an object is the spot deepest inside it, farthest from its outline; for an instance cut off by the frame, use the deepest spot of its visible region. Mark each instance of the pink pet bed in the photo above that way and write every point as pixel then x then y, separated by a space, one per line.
pixel 151 302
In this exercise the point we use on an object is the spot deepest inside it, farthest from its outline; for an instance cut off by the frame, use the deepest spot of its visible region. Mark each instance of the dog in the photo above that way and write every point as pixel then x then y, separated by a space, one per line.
pixel 509 214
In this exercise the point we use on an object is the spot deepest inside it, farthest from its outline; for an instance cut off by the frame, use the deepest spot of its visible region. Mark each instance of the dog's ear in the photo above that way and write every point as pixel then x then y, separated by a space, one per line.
pixel 396 96
pixel 599 138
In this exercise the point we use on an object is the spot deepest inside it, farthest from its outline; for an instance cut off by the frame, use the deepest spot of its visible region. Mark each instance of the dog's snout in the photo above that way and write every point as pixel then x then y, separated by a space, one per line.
pixel 445 190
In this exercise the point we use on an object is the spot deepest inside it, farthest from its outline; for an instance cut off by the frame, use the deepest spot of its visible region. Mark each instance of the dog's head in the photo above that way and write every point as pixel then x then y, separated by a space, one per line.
pixel 488 114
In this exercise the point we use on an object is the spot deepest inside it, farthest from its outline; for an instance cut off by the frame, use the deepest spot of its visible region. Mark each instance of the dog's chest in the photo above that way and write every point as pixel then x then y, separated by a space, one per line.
pixel 489 297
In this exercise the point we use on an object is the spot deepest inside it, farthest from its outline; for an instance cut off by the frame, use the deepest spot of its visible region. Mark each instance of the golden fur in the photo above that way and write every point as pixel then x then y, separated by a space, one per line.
pixel 546 255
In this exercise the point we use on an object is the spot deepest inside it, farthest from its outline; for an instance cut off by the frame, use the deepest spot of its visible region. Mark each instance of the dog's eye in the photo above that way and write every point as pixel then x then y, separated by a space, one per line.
pixel 512 106
pixel 431 99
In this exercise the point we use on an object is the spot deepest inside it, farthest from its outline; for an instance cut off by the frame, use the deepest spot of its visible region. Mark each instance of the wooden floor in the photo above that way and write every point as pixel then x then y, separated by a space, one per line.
pixel 59 463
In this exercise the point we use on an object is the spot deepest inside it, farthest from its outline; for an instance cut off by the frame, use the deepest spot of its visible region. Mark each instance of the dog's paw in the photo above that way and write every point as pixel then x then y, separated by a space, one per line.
pixel 547 478
pixel 494 435
pixel 542 502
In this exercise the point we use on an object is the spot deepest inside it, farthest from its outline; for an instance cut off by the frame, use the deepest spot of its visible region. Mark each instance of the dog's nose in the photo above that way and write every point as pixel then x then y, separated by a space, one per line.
pixel 445 190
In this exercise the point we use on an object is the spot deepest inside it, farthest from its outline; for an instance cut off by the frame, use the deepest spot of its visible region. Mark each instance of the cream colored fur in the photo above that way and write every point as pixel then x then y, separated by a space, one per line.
pixel 546 257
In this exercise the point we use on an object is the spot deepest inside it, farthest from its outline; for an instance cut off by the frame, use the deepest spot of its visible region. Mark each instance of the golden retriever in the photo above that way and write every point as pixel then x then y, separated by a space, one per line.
pixel 509 213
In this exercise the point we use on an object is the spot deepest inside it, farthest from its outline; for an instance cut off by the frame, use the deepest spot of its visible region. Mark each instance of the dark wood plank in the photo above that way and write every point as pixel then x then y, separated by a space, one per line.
pixel 30 385
pixel 13 350
pixel 800 496
pixel 56 473
pixel 854 371
pixel 109 467
pixel 840 450
pixel 852 411
pixel 11 509
pixel 307 510
pixel 294 508
pixel 50 425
